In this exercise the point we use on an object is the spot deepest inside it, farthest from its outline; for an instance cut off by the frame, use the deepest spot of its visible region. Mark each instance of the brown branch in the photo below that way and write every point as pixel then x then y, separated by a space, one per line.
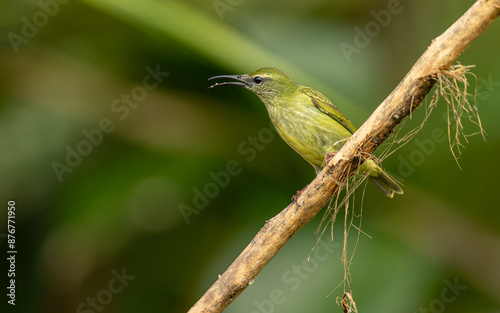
pixel 407 96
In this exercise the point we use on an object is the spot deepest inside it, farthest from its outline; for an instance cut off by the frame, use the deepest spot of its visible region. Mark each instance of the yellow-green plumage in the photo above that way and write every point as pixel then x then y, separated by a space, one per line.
pixel 306 120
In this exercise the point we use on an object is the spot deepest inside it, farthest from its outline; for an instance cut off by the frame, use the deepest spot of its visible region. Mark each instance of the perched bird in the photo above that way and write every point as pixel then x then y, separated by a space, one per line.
pixel 306 120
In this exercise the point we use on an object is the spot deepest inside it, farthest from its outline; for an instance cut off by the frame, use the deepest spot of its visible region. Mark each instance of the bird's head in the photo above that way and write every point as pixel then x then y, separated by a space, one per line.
pixel 265 82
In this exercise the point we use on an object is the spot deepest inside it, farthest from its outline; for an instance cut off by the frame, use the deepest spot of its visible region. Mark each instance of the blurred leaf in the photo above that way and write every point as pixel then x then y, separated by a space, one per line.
pixel 216 41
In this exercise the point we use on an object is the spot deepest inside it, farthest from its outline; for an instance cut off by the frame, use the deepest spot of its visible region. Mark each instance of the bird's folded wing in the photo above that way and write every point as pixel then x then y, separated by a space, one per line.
pixel 325 106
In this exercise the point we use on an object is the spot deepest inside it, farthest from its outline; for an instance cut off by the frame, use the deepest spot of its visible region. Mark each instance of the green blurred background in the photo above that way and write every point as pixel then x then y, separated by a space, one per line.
pixel 106 233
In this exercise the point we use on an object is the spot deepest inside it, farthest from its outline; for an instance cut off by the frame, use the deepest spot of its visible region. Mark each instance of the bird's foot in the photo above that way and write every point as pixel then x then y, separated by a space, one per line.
pixel 297 194
pixel 329 156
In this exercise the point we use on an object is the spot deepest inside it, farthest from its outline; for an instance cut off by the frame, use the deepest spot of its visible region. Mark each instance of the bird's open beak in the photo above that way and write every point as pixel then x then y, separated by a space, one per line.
pixel 240 82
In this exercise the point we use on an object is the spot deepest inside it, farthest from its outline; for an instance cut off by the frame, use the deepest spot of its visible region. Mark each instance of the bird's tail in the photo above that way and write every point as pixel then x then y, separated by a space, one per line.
pixel 381 179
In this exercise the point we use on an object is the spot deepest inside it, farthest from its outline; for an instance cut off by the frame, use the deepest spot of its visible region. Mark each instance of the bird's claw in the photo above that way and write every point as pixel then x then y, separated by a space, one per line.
pixel 329 156
pixel 298 193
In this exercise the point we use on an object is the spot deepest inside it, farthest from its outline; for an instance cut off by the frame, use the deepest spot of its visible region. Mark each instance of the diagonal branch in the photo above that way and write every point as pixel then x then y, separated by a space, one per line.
pixel 407 96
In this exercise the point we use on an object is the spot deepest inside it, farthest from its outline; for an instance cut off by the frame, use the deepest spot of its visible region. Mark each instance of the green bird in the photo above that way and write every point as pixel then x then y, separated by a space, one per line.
pixel 307 121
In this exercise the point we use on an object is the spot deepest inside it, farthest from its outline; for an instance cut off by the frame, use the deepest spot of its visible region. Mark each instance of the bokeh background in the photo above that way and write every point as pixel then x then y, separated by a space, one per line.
pixel 104 231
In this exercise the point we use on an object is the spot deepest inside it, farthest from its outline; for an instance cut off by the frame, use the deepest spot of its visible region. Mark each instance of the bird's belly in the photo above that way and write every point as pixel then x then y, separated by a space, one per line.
pixel 311 135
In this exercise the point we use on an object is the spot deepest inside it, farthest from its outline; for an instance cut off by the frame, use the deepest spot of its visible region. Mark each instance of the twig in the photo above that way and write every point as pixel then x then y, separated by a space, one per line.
pixel 407 96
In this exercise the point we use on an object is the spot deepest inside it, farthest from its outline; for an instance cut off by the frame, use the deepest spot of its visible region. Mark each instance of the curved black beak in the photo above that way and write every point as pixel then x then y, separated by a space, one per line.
pixel 240 82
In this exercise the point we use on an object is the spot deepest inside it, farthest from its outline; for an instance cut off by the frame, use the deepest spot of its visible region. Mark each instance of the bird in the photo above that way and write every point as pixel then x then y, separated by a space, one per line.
pixel 307 121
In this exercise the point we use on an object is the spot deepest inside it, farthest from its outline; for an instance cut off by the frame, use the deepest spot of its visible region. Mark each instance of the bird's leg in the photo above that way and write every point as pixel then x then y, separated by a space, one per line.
pixel 297 194
pixel 329 156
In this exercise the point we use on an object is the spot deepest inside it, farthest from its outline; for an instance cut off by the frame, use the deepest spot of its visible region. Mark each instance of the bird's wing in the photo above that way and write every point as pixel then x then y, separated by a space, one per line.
pixel 325 106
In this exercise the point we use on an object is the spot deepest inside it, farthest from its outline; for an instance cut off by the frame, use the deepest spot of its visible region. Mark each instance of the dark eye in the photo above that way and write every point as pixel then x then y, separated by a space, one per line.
pixel 258 80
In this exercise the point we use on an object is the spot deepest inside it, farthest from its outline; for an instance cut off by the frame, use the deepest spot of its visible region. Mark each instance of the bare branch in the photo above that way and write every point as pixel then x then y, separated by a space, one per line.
pixel 407 96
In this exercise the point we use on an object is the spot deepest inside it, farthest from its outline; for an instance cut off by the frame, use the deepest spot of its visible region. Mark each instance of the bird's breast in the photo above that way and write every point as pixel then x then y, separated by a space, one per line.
pixel 308 131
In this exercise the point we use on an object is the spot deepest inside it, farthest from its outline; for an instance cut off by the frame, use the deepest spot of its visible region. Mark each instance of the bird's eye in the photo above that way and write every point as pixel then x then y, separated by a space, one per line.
pixel 258 80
